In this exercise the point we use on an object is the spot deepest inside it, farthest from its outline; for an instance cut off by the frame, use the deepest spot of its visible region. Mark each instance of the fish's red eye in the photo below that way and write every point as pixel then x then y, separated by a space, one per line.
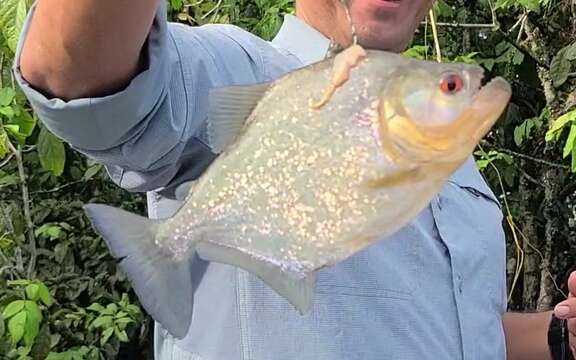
pixel 451 84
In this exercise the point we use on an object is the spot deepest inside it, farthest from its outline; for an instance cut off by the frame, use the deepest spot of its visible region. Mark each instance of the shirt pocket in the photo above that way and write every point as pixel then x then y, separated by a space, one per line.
pixel 386 270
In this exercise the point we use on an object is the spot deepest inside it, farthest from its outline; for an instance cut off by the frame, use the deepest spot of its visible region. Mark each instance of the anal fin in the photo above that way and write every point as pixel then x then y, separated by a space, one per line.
pixel 298 290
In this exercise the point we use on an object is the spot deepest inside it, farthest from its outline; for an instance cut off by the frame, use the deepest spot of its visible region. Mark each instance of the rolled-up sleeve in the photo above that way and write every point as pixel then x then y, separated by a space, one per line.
pixel 152 133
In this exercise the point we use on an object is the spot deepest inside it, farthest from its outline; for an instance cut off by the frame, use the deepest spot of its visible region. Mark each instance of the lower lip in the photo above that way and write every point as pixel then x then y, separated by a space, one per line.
pixel 388 4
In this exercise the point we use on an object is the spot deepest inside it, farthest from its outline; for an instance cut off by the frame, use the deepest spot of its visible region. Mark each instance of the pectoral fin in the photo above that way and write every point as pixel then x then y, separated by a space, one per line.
pixel 229 108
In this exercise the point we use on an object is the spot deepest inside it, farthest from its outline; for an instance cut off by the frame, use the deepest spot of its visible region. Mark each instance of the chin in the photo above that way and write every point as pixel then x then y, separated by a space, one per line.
pixel 381 38
pixel 384 28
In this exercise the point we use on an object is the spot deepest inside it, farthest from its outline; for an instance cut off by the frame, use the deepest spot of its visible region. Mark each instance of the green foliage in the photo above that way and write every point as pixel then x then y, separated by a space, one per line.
pixel 562 64
pixel 51 152
pixel 567 120
pixel 533 5
pixel 12 15
pixel 523 131
pixel 24 316
pixel 262 17
pixel 114 318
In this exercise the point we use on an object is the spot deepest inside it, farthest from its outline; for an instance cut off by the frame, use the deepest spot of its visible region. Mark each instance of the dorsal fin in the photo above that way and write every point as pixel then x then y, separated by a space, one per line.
pixel 229 107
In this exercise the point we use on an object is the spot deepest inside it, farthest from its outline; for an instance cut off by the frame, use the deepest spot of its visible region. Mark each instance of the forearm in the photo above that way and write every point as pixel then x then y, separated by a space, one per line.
pixel 85 47
pixel 527 335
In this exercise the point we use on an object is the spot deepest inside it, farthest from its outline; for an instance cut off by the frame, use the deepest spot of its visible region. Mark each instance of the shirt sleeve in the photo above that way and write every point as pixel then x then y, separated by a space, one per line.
pixel 152 134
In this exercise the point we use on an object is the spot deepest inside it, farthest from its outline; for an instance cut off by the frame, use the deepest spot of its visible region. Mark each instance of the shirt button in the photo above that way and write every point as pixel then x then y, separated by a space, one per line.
pixel 460 284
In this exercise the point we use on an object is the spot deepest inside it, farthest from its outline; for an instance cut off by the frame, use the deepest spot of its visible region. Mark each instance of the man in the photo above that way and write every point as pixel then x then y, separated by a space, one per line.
pixel 123 87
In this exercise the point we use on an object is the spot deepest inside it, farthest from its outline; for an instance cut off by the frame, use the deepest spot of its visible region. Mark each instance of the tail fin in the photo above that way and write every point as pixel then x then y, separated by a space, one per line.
pixel 163 285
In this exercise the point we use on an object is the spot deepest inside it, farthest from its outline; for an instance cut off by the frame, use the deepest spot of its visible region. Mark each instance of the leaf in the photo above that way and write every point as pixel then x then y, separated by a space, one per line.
pixel 60 251
pixel 26 123
pixel 106 335
pixel 12 309
pixel 21 125
pixel 7 111
pixel 50 231
pixel 416 52
pixel 12 16
pixel 32 292
pixel 559 124
pixel 520 133
pixel 111 308
pixel 442 9
pixel 6 96
pixel 4 150
pixel 33 320
pixel 570 53
pixel 96 307
pixel 103 321
pixel 51 152
pixel 124 321
pixel 6 180
pixel 573 168
pixel 16 326
pixel 533 5
pixel 560 68
pixel 488 63
pixel 44 294
pixel 121 335
pixel 569 142
pixel 92 171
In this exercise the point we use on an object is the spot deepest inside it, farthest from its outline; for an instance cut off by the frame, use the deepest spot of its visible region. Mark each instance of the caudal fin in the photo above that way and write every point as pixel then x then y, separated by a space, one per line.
pixel 163 285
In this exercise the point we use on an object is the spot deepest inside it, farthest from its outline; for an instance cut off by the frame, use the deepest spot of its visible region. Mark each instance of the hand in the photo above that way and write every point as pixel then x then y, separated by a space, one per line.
pixel 567 310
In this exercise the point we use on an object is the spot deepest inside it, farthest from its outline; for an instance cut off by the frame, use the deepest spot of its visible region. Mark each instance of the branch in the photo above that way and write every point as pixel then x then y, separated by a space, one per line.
pixel 528 176
pixel 7 160
pixel 61 187
pixel 526 157
pixel 464 25
pixel 27 213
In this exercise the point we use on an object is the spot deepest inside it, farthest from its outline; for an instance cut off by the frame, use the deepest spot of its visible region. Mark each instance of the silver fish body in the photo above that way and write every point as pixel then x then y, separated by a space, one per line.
pixel 299 186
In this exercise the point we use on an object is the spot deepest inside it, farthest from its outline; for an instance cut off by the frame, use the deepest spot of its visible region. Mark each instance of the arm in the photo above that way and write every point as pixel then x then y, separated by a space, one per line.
pixel 85 47
pixel 150 133
pixel 527 335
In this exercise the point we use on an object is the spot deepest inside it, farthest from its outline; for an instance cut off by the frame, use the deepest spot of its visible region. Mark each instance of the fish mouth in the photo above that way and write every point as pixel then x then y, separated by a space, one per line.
pixel 488 103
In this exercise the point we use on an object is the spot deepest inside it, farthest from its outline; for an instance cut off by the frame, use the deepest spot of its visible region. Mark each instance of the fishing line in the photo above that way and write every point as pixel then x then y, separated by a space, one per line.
pixel 346 5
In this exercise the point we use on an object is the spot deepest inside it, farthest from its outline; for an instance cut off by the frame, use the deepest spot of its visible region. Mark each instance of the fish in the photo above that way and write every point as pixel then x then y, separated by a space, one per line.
pixel 311 169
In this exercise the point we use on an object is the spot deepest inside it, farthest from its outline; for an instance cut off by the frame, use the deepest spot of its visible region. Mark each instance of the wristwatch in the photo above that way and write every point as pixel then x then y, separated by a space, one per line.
pixel 558 339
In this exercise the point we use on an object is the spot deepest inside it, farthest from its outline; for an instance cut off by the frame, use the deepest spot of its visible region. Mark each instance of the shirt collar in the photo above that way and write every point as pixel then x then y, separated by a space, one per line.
pixel 302 40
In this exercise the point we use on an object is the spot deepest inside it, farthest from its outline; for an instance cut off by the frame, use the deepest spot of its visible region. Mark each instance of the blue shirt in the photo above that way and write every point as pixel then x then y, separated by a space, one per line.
pixel 434 290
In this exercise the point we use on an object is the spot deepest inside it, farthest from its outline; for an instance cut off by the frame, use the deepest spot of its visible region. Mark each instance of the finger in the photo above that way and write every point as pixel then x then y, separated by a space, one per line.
pixel 566 309
pixel 571 323
pixel 572 284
